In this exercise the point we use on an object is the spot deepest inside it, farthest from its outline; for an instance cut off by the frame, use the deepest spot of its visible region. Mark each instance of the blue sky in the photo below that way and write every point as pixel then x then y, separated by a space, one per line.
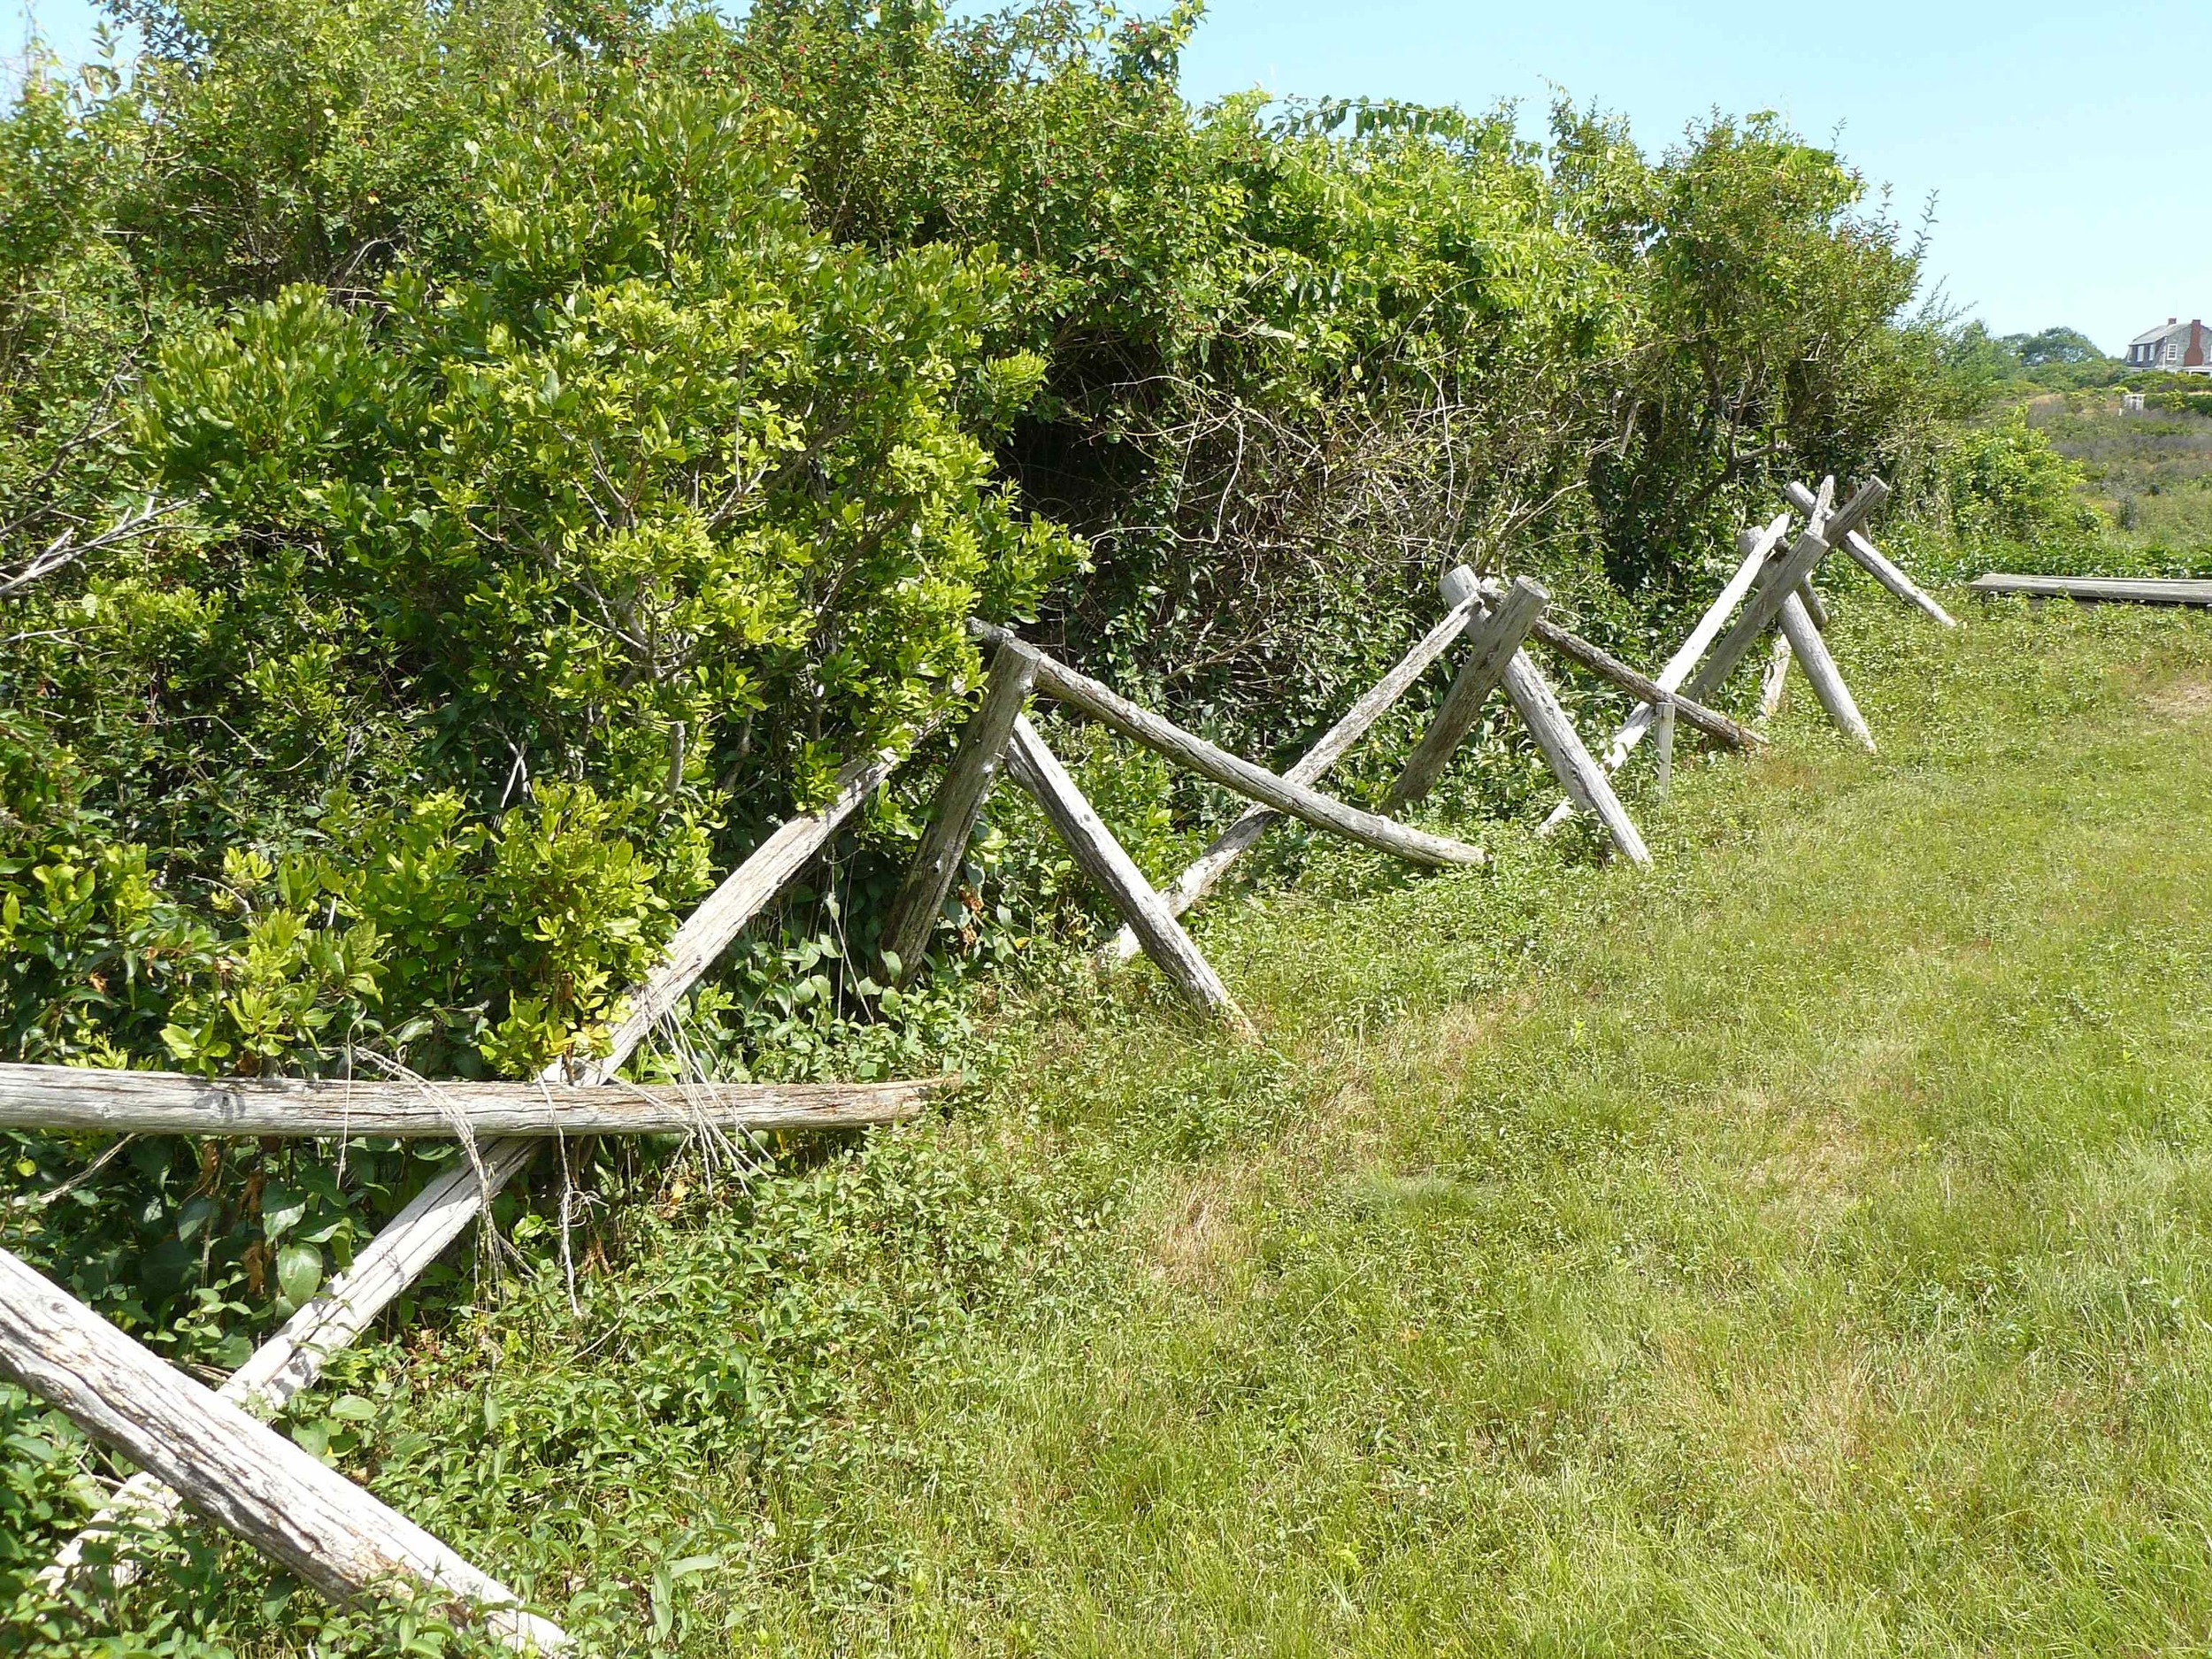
pixel 2065 146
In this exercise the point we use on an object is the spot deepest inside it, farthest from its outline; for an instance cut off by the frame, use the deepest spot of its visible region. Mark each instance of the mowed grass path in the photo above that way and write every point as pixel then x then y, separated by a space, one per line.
pixel 1805 1247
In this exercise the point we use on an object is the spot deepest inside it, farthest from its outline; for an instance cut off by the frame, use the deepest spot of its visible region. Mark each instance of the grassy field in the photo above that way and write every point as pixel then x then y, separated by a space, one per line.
pixel 1802 1248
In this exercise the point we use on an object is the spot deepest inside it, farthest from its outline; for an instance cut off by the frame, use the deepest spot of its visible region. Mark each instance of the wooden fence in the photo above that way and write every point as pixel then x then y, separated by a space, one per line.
pixel 214 1450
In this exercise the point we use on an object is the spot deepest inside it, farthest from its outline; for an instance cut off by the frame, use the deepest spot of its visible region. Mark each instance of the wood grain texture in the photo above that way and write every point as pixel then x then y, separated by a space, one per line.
pixel 1821 672
pixel 912 916
pixel 165 1103
pixel 1493 639
pixel 241 1473
pixel 1109 708
pixel 1774 679
pixel 1200 877
pixel 2140 591
pixel 1102 858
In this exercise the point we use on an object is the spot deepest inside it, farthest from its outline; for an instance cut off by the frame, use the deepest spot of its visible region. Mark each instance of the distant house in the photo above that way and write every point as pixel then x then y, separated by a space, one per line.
pixel 2179 346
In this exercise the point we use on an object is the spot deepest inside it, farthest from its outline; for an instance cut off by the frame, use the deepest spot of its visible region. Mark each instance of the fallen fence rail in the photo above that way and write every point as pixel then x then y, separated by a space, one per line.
pixel 77 1098
pixel 2137 590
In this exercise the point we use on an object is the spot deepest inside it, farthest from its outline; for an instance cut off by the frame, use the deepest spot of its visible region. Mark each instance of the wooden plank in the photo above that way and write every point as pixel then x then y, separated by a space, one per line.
pixel 1777 583
pixel 1103 859
pixel 1493 639
pixel 974 769
pixel 2139 590
pixel 1233 843
pixel 1754 547
pixel 1610 669
pixel 1231 771
pixel 1664 784
pixel 405 1247
pixel 1578 772
pixel 1821 672
pixel 241 1473
pixel 1876 565
pixel 80 1099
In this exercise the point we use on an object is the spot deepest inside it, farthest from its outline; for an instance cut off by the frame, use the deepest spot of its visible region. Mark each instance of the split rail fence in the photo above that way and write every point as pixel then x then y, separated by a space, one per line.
pixel 214 1448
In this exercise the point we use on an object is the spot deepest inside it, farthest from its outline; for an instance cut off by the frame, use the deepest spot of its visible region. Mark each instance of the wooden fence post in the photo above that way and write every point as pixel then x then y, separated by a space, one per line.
pixel 1821 672
pixel 1779 582
pixel 241 1472
pixel 1753 548
pixel 1872 559
pixel 960 798
pixel 1572 763
pixel 1037 769
pixel 1492 642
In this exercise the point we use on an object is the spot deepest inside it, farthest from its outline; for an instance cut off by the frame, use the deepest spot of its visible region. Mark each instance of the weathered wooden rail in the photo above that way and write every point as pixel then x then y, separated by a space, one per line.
pixel 236 1470
pixel 2133 590
pixel 164 1103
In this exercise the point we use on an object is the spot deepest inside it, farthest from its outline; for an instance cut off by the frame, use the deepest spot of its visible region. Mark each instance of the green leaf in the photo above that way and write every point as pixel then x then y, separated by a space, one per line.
pixel 282 1209
pixel 299 1271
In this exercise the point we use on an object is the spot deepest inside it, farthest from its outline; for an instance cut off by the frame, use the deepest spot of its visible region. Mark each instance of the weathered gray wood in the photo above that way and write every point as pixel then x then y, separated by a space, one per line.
pixel 167 1103
pixel 1231 771
pixel 1208 867
pixel 1665 746
pixel 1579 773
pixel 1876 565
pixel 1102 858
pixel 975 764
pixel 2139 590
pixel 1779 582
pixel 1872 560
pixel 1754 547
pixel 405 1247
pixel 1645 689
pixel 1493 641
pixel 1817 509
pixel 1816 607
pixel 1821 672
pixel 1774 679
pixel 240 1472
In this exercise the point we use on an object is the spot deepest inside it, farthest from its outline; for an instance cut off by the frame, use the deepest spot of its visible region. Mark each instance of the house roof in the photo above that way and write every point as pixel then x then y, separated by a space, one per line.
pixel 2155 336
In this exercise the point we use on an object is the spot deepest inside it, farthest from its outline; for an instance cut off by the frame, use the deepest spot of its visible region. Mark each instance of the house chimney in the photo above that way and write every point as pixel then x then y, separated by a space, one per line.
pixel 2170 321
